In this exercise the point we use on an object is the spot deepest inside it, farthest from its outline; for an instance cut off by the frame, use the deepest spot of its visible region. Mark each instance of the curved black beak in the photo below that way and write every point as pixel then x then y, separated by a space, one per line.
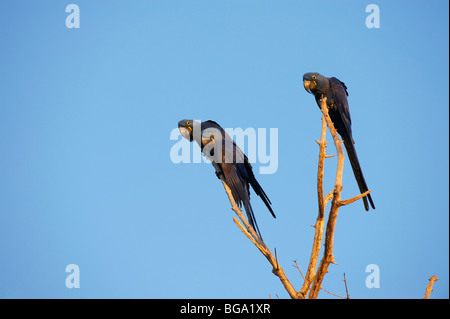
pixel 309 85
pixel 185 130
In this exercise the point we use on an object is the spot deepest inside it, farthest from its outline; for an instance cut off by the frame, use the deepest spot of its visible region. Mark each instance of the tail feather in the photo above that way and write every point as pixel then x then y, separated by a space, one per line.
pixel 351 152
pixel 260 192
pixel 251 217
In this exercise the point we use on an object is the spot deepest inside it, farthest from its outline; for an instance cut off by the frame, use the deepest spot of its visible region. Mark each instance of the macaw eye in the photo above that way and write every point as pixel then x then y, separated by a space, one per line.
pixel 188 122
pixel 314 77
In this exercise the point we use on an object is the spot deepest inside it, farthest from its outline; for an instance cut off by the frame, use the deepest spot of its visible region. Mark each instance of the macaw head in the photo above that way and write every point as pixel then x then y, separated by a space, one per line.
pixel 186 129
pixel 313 81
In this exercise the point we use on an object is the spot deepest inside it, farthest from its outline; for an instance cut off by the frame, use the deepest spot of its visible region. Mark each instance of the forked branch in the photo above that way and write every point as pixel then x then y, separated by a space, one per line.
pixel 322 202
pixel 328 256
pixel 258 242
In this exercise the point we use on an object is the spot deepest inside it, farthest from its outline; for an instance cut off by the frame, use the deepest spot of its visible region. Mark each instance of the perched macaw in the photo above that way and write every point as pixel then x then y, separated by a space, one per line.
pixel 336 93
pixel 231 164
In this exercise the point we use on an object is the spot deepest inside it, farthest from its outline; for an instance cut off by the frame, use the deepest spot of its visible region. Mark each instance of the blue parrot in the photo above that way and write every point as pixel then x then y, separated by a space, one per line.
pixel 336 93
pixel 231 164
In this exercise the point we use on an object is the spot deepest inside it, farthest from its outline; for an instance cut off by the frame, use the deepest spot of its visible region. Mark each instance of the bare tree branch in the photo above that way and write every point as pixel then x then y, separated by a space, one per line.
pixel 318 234
pixel 251 234
pixel 238 212
pixel 432 280
pixel 354 199
pixel 335 204
pixel 261 248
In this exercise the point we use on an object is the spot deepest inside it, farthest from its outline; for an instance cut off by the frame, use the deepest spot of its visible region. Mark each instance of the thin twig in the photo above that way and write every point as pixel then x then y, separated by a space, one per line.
pixel 346 289
pixel 339 296
pixel 297 266
pixel 328 292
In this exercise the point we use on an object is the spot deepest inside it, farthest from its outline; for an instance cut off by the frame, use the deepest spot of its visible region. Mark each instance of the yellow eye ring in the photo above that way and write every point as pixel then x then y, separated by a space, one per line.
pixel 314 77
pixel 188 122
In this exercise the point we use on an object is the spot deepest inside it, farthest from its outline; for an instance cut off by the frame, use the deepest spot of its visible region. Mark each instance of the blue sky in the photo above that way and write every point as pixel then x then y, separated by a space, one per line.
pixel 86 115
